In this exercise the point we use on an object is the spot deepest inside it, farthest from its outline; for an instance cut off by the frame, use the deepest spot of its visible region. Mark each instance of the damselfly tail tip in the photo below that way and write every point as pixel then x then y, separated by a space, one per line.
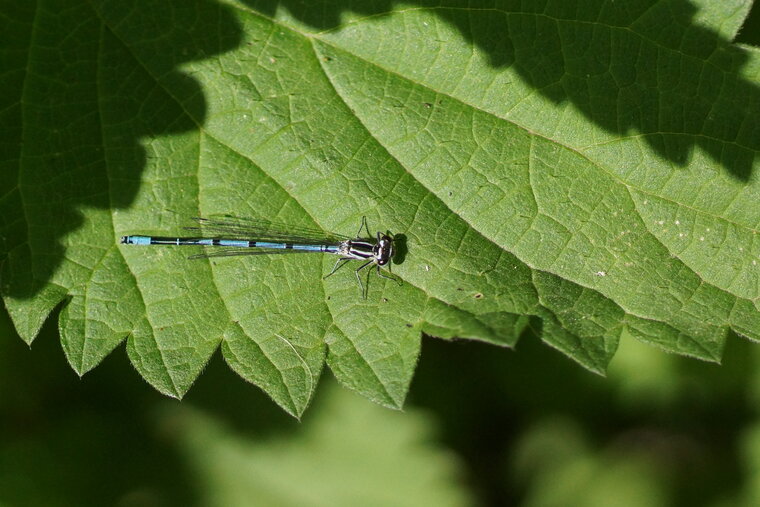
pixel 124 240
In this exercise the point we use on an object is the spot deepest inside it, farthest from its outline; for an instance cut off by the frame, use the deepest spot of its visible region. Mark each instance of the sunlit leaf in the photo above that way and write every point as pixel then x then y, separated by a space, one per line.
pixel 581 167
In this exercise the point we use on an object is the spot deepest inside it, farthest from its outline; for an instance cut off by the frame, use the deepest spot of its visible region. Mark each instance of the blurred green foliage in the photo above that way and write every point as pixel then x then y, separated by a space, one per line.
pixel 109 439
pixel 483 426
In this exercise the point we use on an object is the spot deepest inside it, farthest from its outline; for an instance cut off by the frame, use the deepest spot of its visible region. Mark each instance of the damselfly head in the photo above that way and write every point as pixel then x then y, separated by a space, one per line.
pixel 383 250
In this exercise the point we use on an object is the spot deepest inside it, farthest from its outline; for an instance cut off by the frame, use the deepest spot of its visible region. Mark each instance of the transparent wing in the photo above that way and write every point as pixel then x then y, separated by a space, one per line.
pixel 263 230
pixel 236 252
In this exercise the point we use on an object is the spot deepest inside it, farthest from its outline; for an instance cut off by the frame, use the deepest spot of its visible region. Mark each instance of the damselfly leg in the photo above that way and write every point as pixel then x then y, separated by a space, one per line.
pixel 338 264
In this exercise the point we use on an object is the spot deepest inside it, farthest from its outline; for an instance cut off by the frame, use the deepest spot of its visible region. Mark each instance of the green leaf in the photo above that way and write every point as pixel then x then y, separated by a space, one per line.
pixel 573 166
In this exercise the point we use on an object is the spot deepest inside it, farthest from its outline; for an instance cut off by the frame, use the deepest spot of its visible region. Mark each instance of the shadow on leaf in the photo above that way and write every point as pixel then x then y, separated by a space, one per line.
pixel 77 107
pixel 642 68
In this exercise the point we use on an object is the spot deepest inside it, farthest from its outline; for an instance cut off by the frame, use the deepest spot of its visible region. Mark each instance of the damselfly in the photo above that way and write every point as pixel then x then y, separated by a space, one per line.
pixel 230 236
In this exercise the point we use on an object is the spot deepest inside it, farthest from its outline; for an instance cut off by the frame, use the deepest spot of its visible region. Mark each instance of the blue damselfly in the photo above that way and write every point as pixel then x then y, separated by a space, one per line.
pixel 231 236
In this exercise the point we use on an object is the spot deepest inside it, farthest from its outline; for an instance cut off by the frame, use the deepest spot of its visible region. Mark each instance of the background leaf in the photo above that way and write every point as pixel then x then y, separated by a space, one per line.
pixel 66 441
pixel 583 169
pixel 236 470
